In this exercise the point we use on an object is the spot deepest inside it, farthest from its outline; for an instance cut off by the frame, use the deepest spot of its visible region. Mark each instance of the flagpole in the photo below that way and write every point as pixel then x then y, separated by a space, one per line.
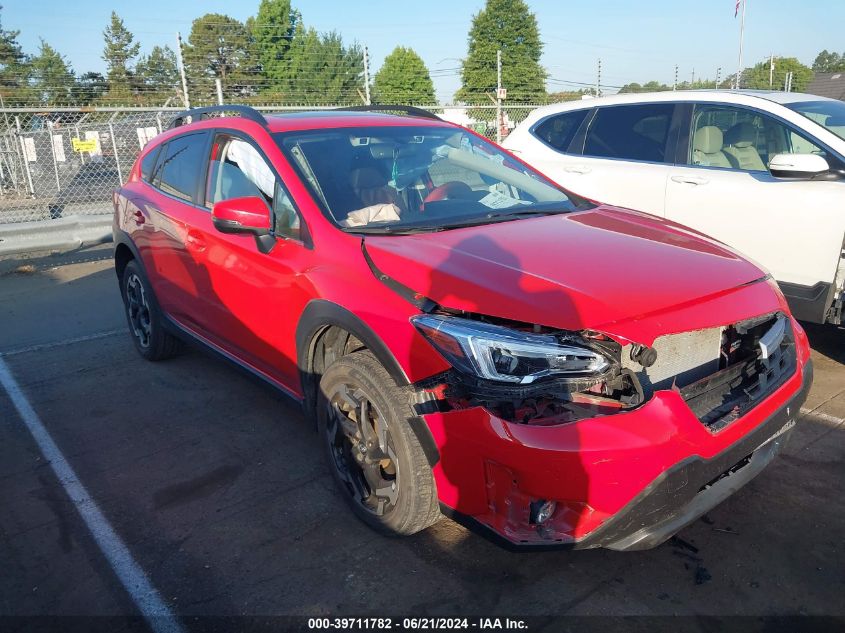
pixel 741 37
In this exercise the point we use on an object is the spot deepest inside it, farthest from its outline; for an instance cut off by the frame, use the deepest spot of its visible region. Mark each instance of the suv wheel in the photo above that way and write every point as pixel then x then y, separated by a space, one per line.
pixel 145 323
pixel 374 456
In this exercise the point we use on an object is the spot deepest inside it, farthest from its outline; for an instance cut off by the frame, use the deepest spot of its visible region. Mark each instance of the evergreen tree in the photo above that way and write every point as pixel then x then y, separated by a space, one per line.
pixel 157 74
pixel 52 77
pixel 90 88
pixel 218 48
pixel 509 26
pixel 321 70
pixel 14 67
pixel 404 79
pixel 272 33
pixel 119 51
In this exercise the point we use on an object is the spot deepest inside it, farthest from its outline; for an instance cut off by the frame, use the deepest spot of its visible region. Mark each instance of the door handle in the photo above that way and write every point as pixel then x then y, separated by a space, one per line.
pixel 577 169
pixel 691 180
pixel 195 241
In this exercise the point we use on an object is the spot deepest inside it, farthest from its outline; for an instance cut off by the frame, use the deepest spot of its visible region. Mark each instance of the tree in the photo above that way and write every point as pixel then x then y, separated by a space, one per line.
pixel 403 78
pixel 272 32
pixel 509 26
pixel 218 48
pixel 53 79
pixel 119 51
pixel 156 74
pixel 90 88
pixel 14 67
pixel 321 70
pixel 826 62
pixel 757 77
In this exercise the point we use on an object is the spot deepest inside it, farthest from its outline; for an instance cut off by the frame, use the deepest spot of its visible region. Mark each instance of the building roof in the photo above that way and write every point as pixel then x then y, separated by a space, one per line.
pixel 830 85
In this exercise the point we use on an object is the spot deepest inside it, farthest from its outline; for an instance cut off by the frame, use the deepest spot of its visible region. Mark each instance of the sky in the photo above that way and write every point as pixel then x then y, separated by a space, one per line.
pixel 637 40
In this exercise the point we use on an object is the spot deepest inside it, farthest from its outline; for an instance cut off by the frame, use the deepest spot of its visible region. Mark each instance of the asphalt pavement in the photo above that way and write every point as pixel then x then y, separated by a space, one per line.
pixel 216 487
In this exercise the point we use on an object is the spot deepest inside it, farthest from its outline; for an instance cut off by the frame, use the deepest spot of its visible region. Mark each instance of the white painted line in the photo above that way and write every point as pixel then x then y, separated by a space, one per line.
pixel 69 341
pixel 132 577
pixel 819 416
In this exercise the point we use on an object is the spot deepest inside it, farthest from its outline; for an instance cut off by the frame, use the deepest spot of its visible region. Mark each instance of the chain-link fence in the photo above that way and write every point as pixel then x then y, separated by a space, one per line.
pixel 67 161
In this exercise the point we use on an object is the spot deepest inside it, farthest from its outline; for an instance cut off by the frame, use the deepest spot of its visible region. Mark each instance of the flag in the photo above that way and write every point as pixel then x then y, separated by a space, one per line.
pixel 736 9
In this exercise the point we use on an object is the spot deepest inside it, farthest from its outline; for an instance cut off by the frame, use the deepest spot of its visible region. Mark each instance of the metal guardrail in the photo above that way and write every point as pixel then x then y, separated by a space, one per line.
pixel 67 161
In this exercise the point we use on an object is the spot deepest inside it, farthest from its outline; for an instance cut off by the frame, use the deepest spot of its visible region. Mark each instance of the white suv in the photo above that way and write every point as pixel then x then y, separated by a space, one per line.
pixel 763 172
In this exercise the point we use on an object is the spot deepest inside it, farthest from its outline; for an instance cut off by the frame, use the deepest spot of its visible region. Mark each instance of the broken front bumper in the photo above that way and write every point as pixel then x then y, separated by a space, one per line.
pixel 628 481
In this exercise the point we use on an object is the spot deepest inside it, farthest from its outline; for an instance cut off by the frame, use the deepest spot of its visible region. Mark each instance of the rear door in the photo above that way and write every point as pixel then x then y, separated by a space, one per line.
pixel 794 228
pixel 622 156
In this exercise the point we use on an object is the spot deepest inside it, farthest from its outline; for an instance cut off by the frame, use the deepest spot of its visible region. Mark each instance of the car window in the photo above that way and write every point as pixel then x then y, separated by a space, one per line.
pixel 178 172
pixel 631 132
pixel 238 170
pixel 559 130
pixel 148 162
pixel 420 177
pixel 829 114
pixel 742 139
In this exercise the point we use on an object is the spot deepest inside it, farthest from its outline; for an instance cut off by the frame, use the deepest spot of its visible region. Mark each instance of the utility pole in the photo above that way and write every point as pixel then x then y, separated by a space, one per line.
pixel 499 96
pixel 219 85
pixel 718 76
pixel 598 79
pixel 692 79
pixel 367 76
pixel 788 82
pixel 771 71
pixel 741 37
pixel 675 82
pixel 185 100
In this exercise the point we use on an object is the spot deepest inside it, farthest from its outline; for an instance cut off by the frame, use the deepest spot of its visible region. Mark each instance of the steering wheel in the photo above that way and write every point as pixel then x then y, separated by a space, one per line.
pixel 451 189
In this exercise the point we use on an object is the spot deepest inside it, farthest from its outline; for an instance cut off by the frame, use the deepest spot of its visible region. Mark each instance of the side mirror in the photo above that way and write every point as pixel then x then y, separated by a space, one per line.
pixel 248 215
pixel 806 166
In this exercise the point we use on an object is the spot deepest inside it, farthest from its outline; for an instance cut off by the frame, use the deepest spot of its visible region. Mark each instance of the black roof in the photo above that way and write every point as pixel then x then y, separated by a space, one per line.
pixel 831 85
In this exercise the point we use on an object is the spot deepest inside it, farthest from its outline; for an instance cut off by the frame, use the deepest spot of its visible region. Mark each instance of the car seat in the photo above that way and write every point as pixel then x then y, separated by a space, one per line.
pixel 707 147
pixel 740 147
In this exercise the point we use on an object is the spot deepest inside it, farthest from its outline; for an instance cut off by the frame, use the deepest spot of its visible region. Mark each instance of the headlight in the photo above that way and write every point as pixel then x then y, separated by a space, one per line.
pixel 499 353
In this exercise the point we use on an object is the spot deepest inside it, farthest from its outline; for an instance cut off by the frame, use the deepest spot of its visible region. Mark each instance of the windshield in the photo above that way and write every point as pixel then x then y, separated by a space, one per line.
pixel 828 114
pixel 396 179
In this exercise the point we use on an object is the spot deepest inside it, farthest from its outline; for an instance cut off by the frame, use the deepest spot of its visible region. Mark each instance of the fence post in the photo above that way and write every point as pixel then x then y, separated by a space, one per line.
pixel 114 148
pixel 55 159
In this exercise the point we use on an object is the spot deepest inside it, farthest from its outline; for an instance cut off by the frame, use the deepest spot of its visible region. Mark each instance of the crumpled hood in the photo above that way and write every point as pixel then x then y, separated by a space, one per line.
pixel 573 271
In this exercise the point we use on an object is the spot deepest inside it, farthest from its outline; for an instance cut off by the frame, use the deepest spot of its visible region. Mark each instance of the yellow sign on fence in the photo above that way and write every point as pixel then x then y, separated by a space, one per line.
pixel 88 145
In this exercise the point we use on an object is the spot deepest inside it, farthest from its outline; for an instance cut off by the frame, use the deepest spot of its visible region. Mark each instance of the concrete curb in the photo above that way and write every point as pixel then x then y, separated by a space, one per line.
pixel 65 233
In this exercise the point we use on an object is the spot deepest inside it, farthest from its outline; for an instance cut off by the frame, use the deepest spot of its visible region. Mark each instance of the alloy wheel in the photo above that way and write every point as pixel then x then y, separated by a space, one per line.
pixel 138 310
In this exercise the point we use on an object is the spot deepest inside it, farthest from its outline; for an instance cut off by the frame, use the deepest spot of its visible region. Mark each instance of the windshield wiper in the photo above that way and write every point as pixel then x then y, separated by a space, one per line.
pixel 488 218
pixel 393 230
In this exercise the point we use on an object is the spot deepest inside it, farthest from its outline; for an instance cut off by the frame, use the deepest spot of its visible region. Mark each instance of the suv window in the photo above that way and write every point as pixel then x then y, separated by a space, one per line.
pixel 742 139
pixel 178 172
pixel 559 130
pixel 238 170
pixel 148 162
pixel 634 132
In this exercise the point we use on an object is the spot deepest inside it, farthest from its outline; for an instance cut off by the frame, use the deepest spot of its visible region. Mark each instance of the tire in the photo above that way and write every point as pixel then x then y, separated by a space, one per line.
pixel 393 462
pixel 143 316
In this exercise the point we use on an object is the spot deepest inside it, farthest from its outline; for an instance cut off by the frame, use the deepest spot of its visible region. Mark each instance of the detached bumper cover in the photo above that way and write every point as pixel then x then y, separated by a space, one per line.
pixel 620 484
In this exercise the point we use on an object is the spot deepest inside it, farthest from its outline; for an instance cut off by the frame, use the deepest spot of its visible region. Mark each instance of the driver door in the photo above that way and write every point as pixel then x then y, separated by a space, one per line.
pixel 794 228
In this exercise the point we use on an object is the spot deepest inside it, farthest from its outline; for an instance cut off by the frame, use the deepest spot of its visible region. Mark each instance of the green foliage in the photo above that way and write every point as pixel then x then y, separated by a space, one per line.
pixel 272 32
pixel 567 95
pixel 509 26
pixel 403 79
pixel 321 70
pixel 827 62
pixel 218 48
pixel 91 87
pixel 53 80
pixel 119 51
pixel 14 67
pixel 757 77
pixel 156 74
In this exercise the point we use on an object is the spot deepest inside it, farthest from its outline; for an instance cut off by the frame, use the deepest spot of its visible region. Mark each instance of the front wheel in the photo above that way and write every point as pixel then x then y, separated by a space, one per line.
pixel 374 456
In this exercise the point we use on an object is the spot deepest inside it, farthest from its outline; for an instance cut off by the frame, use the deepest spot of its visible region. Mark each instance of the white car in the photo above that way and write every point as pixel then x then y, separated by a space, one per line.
pixel 763 172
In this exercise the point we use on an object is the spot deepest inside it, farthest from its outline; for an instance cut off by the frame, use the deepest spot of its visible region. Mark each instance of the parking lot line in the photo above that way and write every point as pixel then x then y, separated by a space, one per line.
pixel 132 577
pixel 69 341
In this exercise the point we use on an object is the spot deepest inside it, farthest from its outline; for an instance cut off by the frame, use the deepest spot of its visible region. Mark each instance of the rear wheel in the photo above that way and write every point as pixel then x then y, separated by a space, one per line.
pixel 374 456
pixel 151 340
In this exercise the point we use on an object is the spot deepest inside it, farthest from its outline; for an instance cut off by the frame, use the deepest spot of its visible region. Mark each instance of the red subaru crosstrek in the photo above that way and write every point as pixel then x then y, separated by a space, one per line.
pixel 470 338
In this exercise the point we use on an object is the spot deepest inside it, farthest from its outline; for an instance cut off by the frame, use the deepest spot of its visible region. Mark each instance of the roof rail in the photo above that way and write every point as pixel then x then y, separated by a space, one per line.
pixel 411 110
pixel 198 114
